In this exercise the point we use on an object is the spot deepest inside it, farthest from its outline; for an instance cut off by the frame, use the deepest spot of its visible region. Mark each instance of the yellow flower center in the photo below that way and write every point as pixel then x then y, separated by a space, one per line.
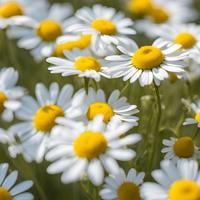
pixel 159 15
pixel 105 27
pixel 187 40
pixel 44 119
pixel 49 30
pixel 184 190
pixel 172 77
pixel 4 194
pixel 184 147
pixel 90 145
pixel 128 191
pixel 100 108
pixel 139 8
pixel 197 116
pixel 87 63
pixel 3 98
pixel 147 57
pixel 81 43
pixel 10 9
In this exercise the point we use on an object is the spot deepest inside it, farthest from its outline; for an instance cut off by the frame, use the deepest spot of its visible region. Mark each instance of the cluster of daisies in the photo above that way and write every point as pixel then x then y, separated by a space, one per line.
pixel 86 134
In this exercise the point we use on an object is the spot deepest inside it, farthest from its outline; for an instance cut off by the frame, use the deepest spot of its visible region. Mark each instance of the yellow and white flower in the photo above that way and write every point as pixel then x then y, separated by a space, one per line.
pixel 196 118
pixel 39 33
pixel 178 148
pixel 39 117
pixel 79 150
pixel 159 12
pixel 174 182
pixel 71 42
pixel 187 35
pixel 147 63
pixel 123 187
pixel 10 94
pixel 114 107
pixel 83 63
pixel 8 187
pixel 10 9
pixel 111 27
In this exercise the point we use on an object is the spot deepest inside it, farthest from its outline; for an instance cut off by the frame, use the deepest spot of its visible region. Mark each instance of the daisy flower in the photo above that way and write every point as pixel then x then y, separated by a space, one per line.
pixel 123 187
pixel 10 94
pixel 89 149
pixel 108 28
pixel 187 35
pixel 9 9
pixel 38 117
pixel 39 33
pixel 78 62
pixel 113 107
pixel 147 63
pixel 196 118
pixel 158 12
pixel 174 182
pixel 71 42
pixel 8 187
pixel 177 148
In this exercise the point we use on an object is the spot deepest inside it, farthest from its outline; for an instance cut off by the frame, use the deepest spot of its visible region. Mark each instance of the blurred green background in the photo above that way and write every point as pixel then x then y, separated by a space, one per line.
pixel 48 187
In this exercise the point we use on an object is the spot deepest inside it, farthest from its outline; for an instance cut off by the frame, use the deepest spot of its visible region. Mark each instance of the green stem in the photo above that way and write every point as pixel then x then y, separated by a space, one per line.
pixel 155 137
pixel 85 189
pixel 189 88
pixel 125 88
pixel 86 84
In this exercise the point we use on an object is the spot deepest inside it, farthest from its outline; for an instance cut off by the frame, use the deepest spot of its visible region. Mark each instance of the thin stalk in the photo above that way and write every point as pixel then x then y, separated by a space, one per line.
pixel 123 90
pixel 86 84
pixel 155 142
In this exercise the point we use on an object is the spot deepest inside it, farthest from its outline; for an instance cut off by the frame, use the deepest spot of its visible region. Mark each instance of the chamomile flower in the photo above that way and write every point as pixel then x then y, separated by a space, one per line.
pixel 9 9
pixel 114 107
pixel 177 148
pixel 10 94
pixel 78 150
pixel 8 187
pixel 39 33
pixel 83 63
pixel 123 187
pixel 108 28
pixel 187 35
pixel 147 63
pixel 38 117
pixel 159 12
pixel 196 118
pixel 71 42
pixel 174 182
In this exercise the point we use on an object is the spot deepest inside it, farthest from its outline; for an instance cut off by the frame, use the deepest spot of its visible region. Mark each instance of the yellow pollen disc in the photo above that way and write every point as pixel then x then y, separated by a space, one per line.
pixel 81 43
pixel 90 145
pixel 147 57
pixel 128 191
pixel 100 108
pixel 87 63
pixel 139 8
pixel 105 27
pixel 44 119
pixel 197 116
pixel 3 98
pixel 187 40
pixel 10 9
pixel 184 190
pixel 184 147
pixel 4 194
pixel 159 15
pixel 49 30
